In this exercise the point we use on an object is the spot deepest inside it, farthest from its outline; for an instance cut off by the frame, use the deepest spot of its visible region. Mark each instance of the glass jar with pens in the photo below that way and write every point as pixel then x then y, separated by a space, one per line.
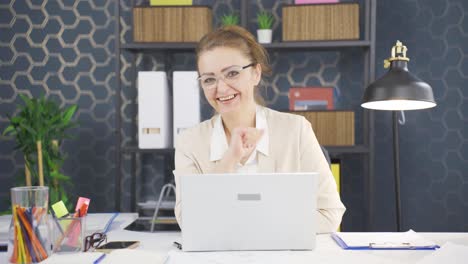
pixel 68 231
pixel 68 234
pixel 29 234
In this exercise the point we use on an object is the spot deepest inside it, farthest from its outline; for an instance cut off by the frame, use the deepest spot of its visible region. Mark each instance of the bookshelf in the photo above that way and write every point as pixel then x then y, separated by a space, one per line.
pixel 366 44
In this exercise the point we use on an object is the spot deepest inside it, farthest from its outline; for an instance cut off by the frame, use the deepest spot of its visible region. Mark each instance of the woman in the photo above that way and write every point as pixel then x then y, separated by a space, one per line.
pixel 244 136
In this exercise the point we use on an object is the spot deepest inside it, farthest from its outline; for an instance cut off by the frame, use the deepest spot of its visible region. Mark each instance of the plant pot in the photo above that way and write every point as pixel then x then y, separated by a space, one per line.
pixel 264 35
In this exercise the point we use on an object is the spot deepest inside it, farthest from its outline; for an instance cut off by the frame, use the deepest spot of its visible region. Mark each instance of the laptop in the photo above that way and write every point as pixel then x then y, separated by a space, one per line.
pixel 267 211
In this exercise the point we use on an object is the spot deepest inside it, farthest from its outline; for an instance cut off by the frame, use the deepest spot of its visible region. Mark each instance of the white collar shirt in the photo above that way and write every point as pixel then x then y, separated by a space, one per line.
pixel 219 144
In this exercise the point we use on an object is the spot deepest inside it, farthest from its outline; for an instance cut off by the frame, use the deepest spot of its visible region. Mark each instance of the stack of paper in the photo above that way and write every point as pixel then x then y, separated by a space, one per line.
pixel 72 258
pixel 383 240
pixel 274 257
pixel 126 256
pixel 4 227
pixel 119 256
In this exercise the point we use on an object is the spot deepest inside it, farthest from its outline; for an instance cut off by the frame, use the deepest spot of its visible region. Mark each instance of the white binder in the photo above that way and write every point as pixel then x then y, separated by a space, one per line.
pixel 186 96
pixel 154 127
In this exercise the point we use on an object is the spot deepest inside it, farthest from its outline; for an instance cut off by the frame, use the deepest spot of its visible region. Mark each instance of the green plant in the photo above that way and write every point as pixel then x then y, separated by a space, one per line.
pixel 265 20
pixel 230 19
pixel 39 128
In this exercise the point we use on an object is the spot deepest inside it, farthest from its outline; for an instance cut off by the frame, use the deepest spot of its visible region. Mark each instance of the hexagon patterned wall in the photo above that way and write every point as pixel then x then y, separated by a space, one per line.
pixel 433 143
pixel 65 49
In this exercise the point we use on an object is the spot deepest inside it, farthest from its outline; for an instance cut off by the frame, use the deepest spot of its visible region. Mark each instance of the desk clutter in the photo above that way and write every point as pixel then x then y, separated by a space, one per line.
pixel 33 235
pixel 158 248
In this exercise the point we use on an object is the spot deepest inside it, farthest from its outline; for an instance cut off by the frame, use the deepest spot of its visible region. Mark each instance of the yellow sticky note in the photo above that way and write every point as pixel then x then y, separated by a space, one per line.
pixel 60 210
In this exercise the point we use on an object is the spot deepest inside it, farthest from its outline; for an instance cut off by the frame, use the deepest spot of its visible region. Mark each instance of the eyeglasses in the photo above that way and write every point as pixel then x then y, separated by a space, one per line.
pixel 94 240
pixel 229 76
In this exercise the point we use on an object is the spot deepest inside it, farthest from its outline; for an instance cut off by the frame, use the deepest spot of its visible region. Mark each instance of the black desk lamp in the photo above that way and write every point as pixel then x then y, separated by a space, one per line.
pixel 398 90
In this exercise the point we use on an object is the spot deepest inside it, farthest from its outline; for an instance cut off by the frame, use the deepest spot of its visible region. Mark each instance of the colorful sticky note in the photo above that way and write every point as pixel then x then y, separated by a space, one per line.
pixel 60 210
pixel 82 205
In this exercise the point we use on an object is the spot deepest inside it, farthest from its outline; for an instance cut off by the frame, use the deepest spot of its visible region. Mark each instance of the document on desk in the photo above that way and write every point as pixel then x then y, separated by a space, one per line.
pixel 448 253
pixel 72 258
pixel 409 240
pixel 273 257
pixel 125 256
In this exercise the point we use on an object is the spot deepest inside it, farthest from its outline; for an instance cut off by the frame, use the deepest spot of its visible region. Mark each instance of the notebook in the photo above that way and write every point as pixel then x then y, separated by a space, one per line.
pixel 409 240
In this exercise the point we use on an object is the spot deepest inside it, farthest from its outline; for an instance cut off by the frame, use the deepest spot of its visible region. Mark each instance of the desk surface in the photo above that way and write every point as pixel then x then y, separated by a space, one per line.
pixel 326 252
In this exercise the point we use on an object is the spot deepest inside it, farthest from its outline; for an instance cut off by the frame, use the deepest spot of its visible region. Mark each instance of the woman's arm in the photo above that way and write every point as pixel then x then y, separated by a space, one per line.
pixel 330 209
pixel 184 164
pixel 243 142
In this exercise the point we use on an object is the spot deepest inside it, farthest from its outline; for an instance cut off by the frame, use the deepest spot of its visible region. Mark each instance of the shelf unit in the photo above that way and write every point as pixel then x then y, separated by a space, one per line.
pixel 290 45
pixel 367 45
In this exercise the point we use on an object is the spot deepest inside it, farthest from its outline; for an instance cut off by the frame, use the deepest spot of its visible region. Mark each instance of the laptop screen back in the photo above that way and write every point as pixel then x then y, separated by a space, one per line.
pixel 269 211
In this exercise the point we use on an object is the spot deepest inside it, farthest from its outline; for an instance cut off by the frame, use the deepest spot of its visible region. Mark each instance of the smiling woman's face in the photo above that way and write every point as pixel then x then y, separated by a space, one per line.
pixel 227 87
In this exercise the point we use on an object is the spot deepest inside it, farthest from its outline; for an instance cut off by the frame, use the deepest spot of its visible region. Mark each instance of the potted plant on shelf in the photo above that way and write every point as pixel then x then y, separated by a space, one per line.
pixel 265 23
pixel 39 128
pixel 230 19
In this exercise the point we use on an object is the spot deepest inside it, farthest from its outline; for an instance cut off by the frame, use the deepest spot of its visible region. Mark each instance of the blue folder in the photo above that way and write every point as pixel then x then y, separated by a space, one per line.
pixel 381 246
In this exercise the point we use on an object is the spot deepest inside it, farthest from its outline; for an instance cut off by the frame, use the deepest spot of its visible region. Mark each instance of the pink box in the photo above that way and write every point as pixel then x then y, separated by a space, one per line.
pixel 302 2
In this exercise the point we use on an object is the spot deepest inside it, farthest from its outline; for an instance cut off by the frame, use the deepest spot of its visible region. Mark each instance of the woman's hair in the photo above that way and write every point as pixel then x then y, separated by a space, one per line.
pixel 241 39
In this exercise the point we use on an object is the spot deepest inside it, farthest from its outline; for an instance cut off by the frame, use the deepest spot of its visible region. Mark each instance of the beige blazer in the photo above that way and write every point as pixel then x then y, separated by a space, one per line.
pixel 293 148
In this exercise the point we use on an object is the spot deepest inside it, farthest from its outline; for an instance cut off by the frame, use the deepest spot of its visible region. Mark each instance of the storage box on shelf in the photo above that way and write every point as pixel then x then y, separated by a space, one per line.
pixel 321 22
pixel 332 128
pixel 171 24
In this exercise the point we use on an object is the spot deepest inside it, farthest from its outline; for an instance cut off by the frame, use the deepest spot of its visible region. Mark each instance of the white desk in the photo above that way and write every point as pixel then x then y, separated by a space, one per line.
pixel 326 252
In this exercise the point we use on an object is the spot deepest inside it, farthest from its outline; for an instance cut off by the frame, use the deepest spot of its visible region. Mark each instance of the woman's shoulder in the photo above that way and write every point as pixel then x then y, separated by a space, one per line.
pixel 282 119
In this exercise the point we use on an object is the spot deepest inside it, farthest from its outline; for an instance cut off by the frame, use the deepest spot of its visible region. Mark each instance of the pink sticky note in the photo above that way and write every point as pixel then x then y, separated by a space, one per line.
pixel 83 203
pixel 81 210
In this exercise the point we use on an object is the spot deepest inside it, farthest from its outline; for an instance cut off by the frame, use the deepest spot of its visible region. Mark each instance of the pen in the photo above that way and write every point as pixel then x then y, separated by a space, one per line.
pixel 99 259
pixel 54 217
pixel 178 245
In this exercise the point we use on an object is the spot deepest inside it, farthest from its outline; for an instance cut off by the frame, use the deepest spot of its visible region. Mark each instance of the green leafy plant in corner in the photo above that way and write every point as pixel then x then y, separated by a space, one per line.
pixel 39 128
pixel 230 19
pixel 265 20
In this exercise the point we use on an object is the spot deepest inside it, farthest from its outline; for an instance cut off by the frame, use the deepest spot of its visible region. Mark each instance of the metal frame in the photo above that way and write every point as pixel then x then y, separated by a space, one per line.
pixel 118 118
pixel 289 45
pixel 367 44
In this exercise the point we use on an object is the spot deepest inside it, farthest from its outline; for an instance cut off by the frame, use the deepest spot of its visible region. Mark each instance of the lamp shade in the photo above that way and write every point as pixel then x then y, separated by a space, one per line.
pixel 398 89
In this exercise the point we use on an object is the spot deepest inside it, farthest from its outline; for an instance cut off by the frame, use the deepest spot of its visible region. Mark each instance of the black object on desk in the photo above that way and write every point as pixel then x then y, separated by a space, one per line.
pixel 3 247
pixel 144 225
